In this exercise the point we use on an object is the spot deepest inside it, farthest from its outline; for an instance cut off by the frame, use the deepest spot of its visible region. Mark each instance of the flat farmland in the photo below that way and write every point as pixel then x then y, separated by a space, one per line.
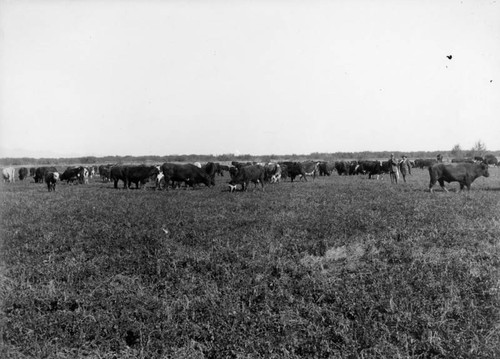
pixel 338 267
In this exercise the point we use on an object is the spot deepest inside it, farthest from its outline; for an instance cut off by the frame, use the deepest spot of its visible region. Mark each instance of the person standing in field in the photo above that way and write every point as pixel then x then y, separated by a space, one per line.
pixel 405 167
pixel 393 169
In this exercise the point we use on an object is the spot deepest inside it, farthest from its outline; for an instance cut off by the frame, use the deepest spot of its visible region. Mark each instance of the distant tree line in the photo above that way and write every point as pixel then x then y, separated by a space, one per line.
pixel 456 152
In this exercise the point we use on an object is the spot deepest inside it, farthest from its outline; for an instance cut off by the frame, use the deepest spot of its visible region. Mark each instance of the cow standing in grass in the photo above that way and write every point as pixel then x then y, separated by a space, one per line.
pixel 8 174
pixel 23 173
pixel 51 179
pixel 247 174
pixel 463 173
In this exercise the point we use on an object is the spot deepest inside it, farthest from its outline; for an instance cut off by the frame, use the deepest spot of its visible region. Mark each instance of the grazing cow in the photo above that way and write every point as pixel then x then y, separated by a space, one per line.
pixel 247 174
pixel 311 168
pixel 8 174
pixel 464 174
pixel 40 173
pixel 211 169
pixel 51 180
pixel 187 173
pixel 23 173
pixel 372 168
pixel 293 169
pixel 72 174
pixel 32 171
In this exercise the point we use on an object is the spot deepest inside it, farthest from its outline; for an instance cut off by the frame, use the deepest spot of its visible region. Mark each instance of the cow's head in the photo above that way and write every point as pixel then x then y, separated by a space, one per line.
pixel 484 169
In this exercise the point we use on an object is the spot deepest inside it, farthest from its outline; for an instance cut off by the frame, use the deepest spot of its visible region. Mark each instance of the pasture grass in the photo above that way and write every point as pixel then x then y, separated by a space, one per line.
pixel 341 267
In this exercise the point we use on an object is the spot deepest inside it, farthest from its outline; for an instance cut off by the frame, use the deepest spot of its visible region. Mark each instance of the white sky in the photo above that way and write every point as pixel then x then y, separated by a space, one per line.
pixel 258 77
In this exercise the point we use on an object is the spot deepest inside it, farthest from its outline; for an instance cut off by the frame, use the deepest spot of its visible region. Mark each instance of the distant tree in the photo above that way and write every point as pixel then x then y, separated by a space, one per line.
pixel 479 149
pixel 457 151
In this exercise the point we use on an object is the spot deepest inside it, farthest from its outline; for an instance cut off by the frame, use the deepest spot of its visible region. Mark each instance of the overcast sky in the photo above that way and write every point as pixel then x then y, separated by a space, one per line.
pixel 258 77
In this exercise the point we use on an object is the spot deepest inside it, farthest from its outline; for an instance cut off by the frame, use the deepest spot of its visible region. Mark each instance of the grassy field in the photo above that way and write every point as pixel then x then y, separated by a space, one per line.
pixel 339 267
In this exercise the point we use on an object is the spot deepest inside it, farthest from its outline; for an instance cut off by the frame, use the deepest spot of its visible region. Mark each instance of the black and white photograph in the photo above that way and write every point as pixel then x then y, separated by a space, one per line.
pixel 249 179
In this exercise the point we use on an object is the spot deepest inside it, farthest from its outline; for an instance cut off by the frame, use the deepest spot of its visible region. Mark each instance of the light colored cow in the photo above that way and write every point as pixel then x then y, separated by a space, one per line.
pixel 8 174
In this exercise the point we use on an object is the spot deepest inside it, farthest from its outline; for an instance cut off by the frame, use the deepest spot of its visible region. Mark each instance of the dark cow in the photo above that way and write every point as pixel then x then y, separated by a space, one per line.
pixel 51 180
pixel 491 160
pixel 425 162
pixel 40 173
pixel 326 168
pixel 464 174
pixel 32 171
pixel 372 168
pixel 139 174
pixel 105 172
pixel 187 173
pixel 342 167
pixel 72 174
pixel 211 169
pixel 23 173
pixel 247 174
pixel 293 169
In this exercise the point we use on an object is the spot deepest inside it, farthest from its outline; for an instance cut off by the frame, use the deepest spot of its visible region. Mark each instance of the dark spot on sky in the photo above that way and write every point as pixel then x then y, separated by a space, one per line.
pixel 449 57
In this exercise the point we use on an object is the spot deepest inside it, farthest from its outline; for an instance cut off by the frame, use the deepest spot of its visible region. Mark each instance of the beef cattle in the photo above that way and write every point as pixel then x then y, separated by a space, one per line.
pixel 32 171
pixel 247 174
pixel 372 168
pixel 464 174
pixel 51 179
pixel 211 169
pixel 139 174
pixel 187 173
pixel 342 167
pixel 72 174
pixel 40 173
pixel 105 172
pixel 23 173
pixel 272 172
pixel 293 169
pixel 326 168
pixel 8 174
pixel 311 168
pixel 129 174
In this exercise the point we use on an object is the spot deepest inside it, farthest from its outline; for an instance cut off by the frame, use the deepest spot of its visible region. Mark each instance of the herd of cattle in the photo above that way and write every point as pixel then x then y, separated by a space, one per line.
pixel 242 173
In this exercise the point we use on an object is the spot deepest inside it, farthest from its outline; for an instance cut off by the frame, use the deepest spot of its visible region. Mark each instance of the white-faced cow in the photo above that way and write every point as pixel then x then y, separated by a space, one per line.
pixel 51 179
pixel 40 173
pixel 463 173
pixel 8 174
pixel 72 174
